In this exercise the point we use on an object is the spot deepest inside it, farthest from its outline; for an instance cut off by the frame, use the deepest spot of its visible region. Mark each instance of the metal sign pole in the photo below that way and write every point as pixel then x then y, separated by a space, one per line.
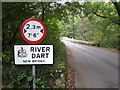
pixel 33 73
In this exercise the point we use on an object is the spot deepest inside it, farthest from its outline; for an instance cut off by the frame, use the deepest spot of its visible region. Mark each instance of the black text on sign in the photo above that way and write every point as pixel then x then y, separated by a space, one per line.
pixel 33 31
pixel 33 54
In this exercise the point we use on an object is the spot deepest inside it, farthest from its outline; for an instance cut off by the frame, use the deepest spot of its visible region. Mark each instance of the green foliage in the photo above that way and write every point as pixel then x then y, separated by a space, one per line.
pixel 56 87
pixel 96 22
pixel 99 24
pixel 13 76
pixel 14 14
pixel 41 83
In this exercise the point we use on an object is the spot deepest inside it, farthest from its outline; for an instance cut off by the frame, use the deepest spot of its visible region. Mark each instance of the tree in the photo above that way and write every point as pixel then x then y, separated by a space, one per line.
pixel 104 10
pixel 97 22
pixel 117 6
pixel 14 14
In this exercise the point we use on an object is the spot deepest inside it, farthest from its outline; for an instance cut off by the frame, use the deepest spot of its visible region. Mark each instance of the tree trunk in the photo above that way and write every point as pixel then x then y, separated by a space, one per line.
pixel 43 11
pixel 117 6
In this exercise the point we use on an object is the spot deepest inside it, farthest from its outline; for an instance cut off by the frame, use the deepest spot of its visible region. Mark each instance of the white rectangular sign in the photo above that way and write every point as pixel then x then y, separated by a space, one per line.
pixel 33 54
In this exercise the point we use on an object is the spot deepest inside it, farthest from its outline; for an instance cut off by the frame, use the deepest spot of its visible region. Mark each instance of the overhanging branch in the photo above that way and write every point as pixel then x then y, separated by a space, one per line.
pixel 99 15
pixel 116 22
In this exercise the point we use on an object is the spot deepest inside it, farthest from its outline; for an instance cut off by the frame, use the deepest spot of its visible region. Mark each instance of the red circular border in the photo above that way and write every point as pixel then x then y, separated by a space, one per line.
pixel 33 42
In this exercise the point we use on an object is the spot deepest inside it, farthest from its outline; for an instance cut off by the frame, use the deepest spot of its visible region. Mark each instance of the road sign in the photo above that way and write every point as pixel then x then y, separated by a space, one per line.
pixel 33 31
pixel 33 54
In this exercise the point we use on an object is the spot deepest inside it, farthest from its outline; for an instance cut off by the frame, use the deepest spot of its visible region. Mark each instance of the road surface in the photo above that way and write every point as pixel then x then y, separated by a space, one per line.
pixel 93 67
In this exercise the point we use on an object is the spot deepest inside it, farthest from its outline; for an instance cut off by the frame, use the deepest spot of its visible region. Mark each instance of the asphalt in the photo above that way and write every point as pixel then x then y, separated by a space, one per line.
pixel 93 67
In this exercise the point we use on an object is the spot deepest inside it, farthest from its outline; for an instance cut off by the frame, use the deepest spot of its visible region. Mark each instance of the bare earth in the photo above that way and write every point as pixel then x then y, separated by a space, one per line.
pixel 93 67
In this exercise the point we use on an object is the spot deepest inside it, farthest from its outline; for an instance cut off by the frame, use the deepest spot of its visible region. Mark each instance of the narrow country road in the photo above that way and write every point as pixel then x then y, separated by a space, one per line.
pixel 93 67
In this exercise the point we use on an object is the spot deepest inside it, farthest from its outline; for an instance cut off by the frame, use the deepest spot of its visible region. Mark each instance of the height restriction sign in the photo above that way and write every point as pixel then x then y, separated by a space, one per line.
pixel 33 31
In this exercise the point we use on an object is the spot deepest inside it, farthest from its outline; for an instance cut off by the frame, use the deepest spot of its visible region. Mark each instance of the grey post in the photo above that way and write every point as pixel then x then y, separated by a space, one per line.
pixel 33 73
